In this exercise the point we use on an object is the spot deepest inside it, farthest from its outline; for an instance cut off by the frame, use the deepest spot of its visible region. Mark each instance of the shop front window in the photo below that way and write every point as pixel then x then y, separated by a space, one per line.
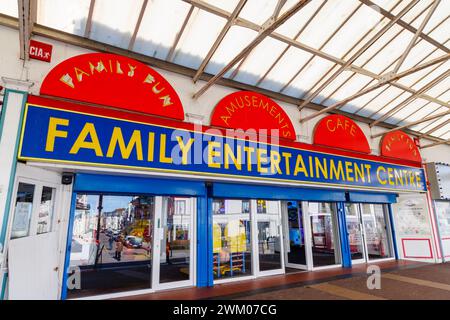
pixel 112 243
pixel 231 239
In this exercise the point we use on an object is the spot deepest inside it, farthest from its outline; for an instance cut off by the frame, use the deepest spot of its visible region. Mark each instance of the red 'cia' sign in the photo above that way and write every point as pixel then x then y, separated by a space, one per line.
pixel 40 51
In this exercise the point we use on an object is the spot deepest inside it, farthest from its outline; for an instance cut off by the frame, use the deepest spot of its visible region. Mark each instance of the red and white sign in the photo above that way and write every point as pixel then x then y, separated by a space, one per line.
pixel 115 81
pixel 397 144
pixel 341 132
pixel 40 51
pixel 249 110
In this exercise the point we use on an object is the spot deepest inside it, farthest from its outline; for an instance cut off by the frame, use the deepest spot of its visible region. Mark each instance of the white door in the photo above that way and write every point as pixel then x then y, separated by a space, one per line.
pixel 174 242
pixel 33 256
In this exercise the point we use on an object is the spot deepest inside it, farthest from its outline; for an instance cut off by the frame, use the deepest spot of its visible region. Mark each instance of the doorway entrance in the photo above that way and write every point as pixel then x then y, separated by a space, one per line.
pixel 33 238
pixel 367 229
pixel 131 243
pixel 246 238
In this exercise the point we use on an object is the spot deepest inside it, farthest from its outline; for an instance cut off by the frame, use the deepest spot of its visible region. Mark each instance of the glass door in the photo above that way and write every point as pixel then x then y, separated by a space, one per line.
pixel 377 236
pixel 355 232
pixel 443 220
pixel 294 235
pixel 175 241
pixel 268 231
pixel 325 247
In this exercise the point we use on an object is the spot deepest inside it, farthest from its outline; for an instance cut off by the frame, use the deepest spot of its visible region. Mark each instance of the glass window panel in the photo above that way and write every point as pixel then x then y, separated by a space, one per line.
pixel 23 211
pixel 111 243
pixel 232 250
pixel 176 240
pixel 46 210
pixel 443 218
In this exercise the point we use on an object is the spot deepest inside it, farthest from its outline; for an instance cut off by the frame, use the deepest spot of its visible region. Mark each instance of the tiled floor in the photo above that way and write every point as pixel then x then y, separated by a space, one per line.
pixel 399 280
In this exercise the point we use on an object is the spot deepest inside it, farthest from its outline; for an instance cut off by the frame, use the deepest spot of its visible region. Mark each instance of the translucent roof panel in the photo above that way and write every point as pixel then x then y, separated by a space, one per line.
pixel 236 39
pixel 109 26
pixel 9 7
pixel 260 60
pixel 258 11
pixel 228 5
pixel 151 39
pixel 199 37
pixel 72 21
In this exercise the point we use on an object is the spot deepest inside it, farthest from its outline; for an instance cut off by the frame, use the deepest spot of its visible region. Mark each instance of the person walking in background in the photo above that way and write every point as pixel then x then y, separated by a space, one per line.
pixel 119 249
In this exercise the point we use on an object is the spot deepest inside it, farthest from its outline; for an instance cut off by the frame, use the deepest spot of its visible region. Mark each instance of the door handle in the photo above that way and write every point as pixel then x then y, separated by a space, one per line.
pixel 55 269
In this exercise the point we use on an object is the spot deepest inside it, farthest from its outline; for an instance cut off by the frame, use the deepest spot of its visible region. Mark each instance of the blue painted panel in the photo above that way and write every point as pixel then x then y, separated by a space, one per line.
pixel 244 191
pixel 88 139
pixel 343 236
pixel 202 241
pixel 94 183
pixel 68 245
pixel 394 237
pixel 370 197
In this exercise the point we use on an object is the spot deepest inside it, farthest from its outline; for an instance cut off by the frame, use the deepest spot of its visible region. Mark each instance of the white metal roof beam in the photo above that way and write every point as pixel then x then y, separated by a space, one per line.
pixel 435 144
pixel 356 55
pixel 138 25
pixel 88 27
pixel 416 36
pixel 405 25
pixel 442 114
pixel 231 21
pixel 379 85
pixel 411 98
pixel 260 37
pixel 27 16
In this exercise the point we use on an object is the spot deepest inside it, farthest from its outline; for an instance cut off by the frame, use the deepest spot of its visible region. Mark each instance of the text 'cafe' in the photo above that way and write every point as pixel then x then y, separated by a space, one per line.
pixel 192 205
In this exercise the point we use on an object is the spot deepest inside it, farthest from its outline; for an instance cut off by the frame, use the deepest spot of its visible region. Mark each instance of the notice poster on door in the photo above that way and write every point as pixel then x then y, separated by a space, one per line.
pixel 412 217
pixel 21 222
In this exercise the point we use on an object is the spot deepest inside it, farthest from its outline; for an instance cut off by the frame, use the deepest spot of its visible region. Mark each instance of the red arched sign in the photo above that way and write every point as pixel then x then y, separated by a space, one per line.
pixel 340 132
pixel 115 81
pixel 397 144
pixel 250 110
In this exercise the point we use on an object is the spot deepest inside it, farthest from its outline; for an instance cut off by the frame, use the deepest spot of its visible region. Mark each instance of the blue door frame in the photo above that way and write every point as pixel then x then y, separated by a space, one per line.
pixel 108 184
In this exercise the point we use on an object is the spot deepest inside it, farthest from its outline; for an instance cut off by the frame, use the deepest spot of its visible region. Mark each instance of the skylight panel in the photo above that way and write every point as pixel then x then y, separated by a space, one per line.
pixel 159 27
pixel 9 7
pixel 198 38
pixel 72 21
pixel 114 21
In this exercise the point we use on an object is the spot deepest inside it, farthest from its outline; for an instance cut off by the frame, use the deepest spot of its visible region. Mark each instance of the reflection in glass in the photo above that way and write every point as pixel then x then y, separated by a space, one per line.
pixel 46 210
pixel 176 240
pixel 23 210
pixel 324 242
pixel 296 252
pixel 112 243
pixel 375 227
pixel 354 231
pixel 231 238
pixel 269 238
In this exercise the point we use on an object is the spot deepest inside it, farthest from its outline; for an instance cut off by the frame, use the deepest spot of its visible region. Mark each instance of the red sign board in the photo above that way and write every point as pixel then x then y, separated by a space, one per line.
pixel 115 81
pixel 397 144
pixel 248 110
pixel 341 132
pixel 40 51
